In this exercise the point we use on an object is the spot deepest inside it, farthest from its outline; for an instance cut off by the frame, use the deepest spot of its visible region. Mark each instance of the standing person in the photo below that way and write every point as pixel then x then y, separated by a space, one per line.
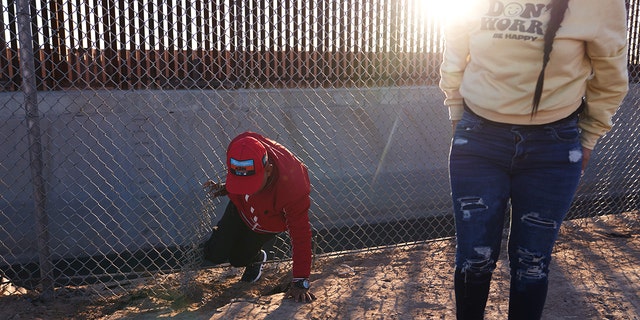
pixel 530 85
pixel 268 188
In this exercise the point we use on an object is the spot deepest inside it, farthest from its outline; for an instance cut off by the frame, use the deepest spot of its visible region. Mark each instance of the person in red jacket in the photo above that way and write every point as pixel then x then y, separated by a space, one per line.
pixel 268 188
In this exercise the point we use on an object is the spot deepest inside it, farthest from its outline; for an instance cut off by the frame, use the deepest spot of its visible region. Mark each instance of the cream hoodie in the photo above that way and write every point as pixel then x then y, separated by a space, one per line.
pixel 493 56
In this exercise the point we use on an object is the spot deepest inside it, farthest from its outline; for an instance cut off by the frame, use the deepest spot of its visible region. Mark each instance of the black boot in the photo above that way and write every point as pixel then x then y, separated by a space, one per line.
pixel 526 301
pixel 471 292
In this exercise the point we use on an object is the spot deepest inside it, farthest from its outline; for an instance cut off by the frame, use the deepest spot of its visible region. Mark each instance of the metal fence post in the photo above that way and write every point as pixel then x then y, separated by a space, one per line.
pixel 32 117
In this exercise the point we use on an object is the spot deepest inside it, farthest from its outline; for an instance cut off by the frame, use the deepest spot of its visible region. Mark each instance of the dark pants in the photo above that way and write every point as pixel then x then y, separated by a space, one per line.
pixel 232 241
pixel 533 169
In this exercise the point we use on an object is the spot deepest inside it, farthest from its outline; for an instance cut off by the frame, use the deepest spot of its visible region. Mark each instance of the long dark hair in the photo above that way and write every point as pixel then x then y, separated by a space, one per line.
pixel 558 8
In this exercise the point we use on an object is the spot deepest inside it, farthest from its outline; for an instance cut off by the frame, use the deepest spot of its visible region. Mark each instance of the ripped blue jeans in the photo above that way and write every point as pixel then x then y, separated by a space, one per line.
pixel 531 172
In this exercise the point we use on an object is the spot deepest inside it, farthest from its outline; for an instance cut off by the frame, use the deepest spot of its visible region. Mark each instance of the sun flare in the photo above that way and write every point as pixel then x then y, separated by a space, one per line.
pixel 447 9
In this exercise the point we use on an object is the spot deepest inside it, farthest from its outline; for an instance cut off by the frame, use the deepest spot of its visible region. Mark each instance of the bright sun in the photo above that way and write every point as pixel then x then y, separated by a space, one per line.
pixel 446 9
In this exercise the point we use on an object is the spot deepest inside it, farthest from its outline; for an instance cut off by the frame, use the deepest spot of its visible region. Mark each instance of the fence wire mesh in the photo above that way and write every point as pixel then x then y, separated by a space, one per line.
pixel 129 107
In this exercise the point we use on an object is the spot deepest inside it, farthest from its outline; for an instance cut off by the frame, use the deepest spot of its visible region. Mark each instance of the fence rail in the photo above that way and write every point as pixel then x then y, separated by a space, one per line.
pixel 165 69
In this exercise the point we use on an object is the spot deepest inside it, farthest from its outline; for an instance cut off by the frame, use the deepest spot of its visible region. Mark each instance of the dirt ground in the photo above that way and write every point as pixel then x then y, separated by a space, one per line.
pixel 595 275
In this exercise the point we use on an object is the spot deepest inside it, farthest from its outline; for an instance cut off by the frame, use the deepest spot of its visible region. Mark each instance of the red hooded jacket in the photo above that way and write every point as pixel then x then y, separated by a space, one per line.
pixel 283 205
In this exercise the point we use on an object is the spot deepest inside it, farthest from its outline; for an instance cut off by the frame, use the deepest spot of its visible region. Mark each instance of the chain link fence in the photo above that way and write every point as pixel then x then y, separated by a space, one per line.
pixel 123 108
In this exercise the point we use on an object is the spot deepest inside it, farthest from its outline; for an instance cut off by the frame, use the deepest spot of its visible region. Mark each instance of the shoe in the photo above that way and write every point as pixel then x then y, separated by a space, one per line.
pixel 253 271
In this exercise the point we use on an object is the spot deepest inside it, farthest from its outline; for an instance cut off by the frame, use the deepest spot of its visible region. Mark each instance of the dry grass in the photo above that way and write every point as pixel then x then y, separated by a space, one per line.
pixel 595 275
